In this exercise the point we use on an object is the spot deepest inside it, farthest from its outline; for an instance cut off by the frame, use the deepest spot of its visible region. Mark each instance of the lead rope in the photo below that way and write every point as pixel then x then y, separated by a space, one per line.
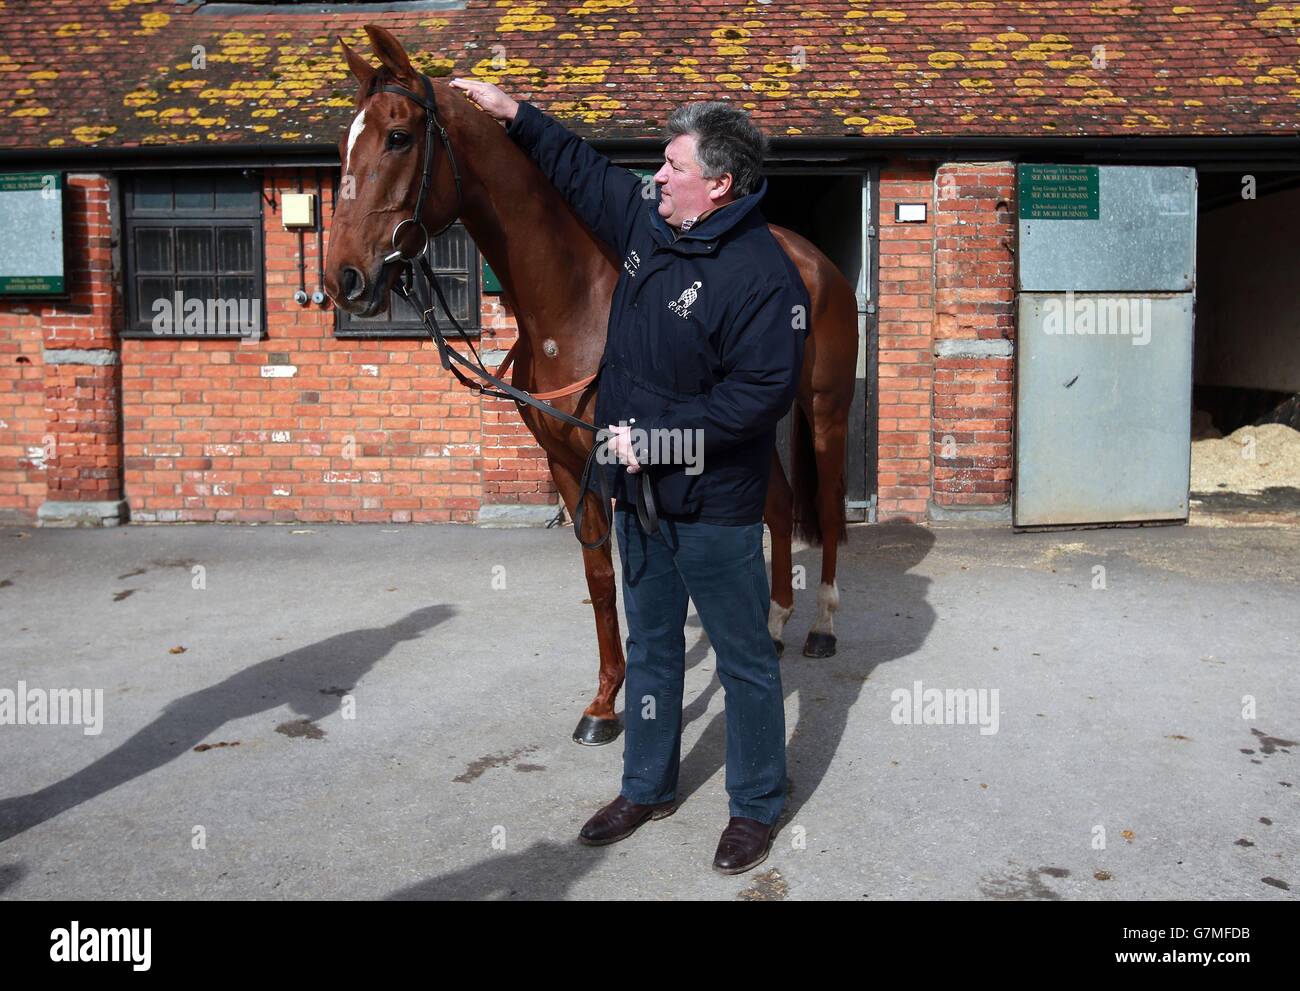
pixel 647 511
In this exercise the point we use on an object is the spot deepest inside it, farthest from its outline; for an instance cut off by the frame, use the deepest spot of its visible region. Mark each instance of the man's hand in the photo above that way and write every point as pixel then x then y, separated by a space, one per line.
pixel 489 97
pixel 621 441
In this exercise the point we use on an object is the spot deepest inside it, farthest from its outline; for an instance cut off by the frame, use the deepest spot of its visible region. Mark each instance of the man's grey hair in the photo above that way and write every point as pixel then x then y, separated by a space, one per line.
pixel 726 140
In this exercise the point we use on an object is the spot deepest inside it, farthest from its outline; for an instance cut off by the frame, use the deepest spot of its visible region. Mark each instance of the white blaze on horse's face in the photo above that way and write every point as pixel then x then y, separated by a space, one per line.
pixel 358 126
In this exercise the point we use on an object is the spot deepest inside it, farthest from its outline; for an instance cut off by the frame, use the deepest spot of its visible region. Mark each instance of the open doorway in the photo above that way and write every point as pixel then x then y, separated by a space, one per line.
pixel 834 210
pixel 1246 363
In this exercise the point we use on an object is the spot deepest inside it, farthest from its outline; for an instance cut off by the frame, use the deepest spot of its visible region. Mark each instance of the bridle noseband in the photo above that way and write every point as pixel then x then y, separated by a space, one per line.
pixel 646 506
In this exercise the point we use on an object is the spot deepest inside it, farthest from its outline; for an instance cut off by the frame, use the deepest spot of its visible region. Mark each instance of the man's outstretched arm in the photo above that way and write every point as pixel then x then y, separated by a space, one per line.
pixel 603 194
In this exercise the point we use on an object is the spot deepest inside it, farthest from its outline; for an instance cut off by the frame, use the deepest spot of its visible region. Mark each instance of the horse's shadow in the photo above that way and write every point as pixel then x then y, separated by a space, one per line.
pixel 305 679
pixel 884 616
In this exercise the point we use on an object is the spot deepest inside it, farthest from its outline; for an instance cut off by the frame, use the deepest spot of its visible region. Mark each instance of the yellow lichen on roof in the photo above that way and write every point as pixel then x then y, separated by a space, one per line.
pixel 152 23
pixel 882 124
pixel 589 109
pixel 598 7
pixel 582 75
pixel 1281 15
pixel 92 133
pixel 495 70
pixel 1115 8
pixel 526 17
pixel 140 97
pixel 843 92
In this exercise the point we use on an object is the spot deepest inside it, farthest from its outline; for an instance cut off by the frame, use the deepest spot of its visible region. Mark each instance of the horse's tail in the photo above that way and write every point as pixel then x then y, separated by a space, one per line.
pixel 805 483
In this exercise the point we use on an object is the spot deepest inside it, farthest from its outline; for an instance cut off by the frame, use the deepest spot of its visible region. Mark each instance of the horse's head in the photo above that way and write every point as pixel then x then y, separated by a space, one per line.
pixel 383 156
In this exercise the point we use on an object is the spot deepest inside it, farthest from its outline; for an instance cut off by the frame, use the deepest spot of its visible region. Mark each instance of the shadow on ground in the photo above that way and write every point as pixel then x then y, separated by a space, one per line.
pixel 884 618
pixel 293 679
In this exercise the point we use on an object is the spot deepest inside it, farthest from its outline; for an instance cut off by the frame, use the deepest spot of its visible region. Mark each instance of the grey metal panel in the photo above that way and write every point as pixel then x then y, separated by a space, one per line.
pixel 1103 421
pixel 1143 240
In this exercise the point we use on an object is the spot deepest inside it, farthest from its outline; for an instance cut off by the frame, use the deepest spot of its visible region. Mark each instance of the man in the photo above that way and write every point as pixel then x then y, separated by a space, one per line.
pixel 702 359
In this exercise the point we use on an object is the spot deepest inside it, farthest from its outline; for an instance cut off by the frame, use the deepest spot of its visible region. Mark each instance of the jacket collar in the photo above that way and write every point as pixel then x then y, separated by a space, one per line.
pixel 711 228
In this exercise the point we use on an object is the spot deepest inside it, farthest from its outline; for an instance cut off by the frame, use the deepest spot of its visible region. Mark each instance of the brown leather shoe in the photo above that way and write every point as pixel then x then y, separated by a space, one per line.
pixel 620 819
pixel 744 844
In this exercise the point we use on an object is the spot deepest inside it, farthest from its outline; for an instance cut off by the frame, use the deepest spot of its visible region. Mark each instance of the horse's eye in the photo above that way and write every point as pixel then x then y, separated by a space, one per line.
pixel 398 139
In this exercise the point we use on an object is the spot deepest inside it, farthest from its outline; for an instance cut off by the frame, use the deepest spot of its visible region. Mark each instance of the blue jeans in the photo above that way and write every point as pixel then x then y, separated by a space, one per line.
pixel 721 569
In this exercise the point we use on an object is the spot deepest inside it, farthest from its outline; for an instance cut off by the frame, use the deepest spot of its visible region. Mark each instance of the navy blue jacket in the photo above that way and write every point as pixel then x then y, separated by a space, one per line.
pixel 706 332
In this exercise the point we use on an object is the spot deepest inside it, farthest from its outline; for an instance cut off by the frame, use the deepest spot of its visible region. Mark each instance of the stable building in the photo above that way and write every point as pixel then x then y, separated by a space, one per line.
pixel 1069 226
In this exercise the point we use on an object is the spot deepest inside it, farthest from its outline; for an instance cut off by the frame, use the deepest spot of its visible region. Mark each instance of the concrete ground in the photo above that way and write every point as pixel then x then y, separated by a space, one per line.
pixel 381 720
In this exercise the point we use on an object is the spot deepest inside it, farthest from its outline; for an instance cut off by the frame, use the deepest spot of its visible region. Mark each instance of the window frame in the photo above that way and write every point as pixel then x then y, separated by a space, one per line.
pixel 134 219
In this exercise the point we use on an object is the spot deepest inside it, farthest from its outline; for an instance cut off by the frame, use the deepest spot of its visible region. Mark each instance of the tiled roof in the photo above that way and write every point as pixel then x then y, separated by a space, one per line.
pixel 123 73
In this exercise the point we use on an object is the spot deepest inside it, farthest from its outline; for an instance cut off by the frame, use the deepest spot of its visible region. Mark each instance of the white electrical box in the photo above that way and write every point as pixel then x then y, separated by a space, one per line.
pixel 298 209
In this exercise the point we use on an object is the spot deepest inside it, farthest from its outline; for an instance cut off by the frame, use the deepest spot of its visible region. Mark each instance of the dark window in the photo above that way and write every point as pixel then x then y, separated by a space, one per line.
pixel 199 235
pixel 454 259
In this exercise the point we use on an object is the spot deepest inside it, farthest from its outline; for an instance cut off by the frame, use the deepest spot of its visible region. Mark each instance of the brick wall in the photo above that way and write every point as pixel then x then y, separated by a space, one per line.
pixel 348 430
pixel 302 426
pixel 905 315
pixel 514 467
pixel 299 426
pixel 24 446
pixel 60 441
pixel 974 327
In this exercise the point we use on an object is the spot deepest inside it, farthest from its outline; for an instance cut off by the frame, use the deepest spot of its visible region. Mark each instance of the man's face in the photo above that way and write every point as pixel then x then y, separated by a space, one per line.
pixel 682 192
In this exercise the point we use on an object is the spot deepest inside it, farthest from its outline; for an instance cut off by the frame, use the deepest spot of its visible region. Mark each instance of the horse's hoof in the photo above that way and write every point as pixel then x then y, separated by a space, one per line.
pixel 780 647
pixel 593 732
pixel 819 645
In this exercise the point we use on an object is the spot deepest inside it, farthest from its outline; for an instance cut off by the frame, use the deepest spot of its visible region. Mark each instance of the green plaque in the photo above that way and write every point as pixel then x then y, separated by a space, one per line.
pixel 490 281
pixel 1059 192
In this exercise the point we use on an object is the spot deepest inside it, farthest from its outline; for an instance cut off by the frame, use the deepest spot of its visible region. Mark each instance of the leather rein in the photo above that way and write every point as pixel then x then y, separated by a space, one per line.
pixel 496 386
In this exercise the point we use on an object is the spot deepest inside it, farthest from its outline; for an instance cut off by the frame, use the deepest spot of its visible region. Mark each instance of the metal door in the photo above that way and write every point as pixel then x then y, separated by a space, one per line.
pixel 1106 278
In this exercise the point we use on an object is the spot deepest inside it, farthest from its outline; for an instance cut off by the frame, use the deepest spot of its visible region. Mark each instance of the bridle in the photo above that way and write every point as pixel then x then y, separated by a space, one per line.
pixel 407 259
pixel 431 123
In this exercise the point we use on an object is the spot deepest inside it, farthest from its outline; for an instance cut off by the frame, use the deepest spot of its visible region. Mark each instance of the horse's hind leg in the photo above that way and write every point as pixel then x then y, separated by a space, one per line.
pixel 599 723
pixel 778 512
pixel 831 432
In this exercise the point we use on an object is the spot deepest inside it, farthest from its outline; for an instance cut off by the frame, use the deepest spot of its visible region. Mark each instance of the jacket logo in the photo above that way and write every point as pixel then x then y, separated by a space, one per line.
pixel 631 263
pixel 681 305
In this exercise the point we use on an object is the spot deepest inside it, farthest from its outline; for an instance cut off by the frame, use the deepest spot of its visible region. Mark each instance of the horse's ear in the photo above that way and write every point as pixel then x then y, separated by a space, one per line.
pixel 362 69
pixel 390 52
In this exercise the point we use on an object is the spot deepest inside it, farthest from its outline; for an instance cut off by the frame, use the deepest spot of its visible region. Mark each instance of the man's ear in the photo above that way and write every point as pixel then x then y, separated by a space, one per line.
pixel 725 185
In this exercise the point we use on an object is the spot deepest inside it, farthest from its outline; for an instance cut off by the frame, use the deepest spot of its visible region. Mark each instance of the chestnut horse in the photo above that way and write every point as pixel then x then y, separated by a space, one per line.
pixel 558 281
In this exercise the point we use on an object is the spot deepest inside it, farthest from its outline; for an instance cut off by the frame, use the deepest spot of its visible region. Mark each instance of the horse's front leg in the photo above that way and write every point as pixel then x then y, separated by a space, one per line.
pixel 599 724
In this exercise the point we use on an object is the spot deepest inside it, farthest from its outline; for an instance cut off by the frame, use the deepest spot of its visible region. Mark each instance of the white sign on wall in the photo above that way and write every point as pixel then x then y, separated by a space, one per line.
pixel 31 234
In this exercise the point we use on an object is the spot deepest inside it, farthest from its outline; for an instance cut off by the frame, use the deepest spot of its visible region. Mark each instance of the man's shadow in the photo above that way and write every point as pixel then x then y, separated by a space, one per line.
pixel 887 618
pixel 307 680
pixel 883 616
